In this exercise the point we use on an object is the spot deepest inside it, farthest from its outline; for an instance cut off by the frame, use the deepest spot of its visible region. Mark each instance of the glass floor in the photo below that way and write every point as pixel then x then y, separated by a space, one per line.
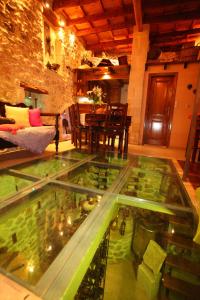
pixel 54 213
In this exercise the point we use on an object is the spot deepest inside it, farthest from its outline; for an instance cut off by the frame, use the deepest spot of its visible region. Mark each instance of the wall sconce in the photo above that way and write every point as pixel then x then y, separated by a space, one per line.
pixel 61 23
pixel 72 39
pixel 46 5
pixel 61 34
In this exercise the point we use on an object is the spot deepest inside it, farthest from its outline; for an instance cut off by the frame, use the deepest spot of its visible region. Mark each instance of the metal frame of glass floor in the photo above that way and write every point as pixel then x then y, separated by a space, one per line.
pixel 138 181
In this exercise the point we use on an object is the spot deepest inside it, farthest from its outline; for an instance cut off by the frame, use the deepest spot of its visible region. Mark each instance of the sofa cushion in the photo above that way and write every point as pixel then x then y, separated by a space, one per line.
pixel 19 114
pixel 34 117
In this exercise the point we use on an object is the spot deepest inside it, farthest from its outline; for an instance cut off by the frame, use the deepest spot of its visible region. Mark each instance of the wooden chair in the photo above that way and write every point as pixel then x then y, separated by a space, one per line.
pixel 78 130
pixel 115 126
pixel 72 123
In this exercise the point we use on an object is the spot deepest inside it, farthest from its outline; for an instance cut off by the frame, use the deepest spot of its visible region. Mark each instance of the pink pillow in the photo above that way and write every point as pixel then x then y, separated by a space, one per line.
pixel 34 117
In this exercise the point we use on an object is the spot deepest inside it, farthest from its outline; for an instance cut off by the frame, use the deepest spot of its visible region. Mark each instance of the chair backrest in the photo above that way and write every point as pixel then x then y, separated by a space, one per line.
pixel 72 115
pixel 154 256
pixel 116 115
pixel 76 114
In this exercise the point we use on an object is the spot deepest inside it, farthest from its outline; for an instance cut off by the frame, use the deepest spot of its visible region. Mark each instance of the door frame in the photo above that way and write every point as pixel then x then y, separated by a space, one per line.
pixel 165 74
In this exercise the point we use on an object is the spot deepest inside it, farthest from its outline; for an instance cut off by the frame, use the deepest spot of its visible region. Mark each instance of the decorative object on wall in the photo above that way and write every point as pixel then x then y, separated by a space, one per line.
pixel 53 67
pixel 189 86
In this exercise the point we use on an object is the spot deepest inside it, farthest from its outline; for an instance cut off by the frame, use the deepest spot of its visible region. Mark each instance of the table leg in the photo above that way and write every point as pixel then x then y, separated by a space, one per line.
pixel 126 141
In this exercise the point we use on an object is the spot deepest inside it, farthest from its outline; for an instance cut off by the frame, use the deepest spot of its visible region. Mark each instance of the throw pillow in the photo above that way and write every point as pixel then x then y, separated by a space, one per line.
pixel 34 117
pixel 19 114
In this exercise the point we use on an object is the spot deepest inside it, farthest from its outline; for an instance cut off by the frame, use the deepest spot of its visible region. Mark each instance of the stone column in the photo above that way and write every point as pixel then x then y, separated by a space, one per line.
pixel 136 81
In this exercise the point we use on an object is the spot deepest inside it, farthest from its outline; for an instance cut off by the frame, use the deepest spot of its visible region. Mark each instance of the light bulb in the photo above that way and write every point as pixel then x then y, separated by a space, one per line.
pixel 71 39
pixel 61 23
pixel 46 5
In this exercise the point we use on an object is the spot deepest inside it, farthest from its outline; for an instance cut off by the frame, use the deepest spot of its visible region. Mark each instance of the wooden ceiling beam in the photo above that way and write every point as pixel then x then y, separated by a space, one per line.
pixel 165 3
pixel 110 13
pixel 104 45
pixel 105 28
pixel 172 34
pixel 192 15
pixel 51 17
pixel 176 42
pixel 172 48
pixel 114 51
pixel 138 14
pixel 60 4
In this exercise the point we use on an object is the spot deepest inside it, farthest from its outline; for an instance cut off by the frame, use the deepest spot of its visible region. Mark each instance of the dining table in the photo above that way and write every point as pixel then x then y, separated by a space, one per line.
pixel 95 121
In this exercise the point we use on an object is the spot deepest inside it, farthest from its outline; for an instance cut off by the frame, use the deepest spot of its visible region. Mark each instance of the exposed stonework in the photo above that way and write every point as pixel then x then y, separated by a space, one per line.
pixel 120 245
pixel 22 56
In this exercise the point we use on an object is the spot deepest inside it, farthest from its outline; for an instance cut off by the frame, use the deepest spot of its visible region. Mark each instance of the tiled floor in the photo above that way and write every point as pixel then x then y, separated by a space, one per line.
pixel 121 283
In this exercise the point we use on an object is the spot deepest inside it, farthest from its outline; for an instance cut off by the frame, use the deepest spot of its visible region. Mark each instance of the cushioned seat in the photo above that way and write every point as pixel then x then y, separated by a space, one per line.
pixel 149 275
pixel 148 281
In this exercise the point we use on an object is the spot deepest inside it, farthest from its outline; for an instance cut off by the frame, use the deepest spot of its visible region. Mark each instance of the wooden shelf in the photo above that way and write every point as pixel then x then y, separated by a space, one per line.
pixel 179 241
pixel 183 264
pixel 165 63
pixel 32 88
pixel 184 288
pixel 98 73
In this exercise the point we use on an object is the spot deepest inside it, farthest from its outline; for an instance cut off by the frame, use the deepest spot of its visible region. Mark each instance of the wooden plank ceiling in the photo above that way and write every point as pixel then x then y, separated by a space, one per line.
pixel 107 25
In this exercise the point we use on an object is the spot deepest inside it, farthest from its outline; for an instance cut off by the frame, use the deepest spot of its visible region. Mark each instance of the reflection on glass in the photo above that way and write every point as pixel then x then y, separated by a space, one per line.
pixel 111 158
pixel 154 186
pixel 75 154
pixel 92 176
pixel 10 184
pixel 45 167
pixel 33 232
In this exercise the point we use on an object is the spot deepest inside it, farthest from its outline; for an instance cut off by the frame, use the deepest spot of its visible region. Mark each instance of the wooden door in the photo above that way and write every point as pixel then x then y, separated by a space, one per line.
pixel 159 109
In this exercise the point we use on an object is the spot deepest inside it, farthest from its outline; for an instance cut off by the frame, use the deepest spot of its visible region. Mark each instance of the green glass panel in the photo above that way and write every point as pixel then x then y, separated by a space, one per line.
pixel 11 184
pixel 155 186
pixel 92 176
pixel 46 167
pixel 154 164
pixel 111 158
pixel 75 154
pixel 34 231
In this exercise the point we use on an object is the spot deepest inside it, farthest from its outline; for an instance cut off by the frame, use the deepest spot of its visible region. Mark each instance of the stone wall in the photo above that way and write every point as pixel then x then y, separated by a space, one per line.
pixel 22 56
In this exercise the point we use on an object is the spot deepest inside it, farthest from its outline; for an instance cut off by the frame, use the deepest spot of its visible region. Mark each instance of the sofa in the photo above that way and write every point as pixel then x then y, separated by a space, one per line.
pixel 34 135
